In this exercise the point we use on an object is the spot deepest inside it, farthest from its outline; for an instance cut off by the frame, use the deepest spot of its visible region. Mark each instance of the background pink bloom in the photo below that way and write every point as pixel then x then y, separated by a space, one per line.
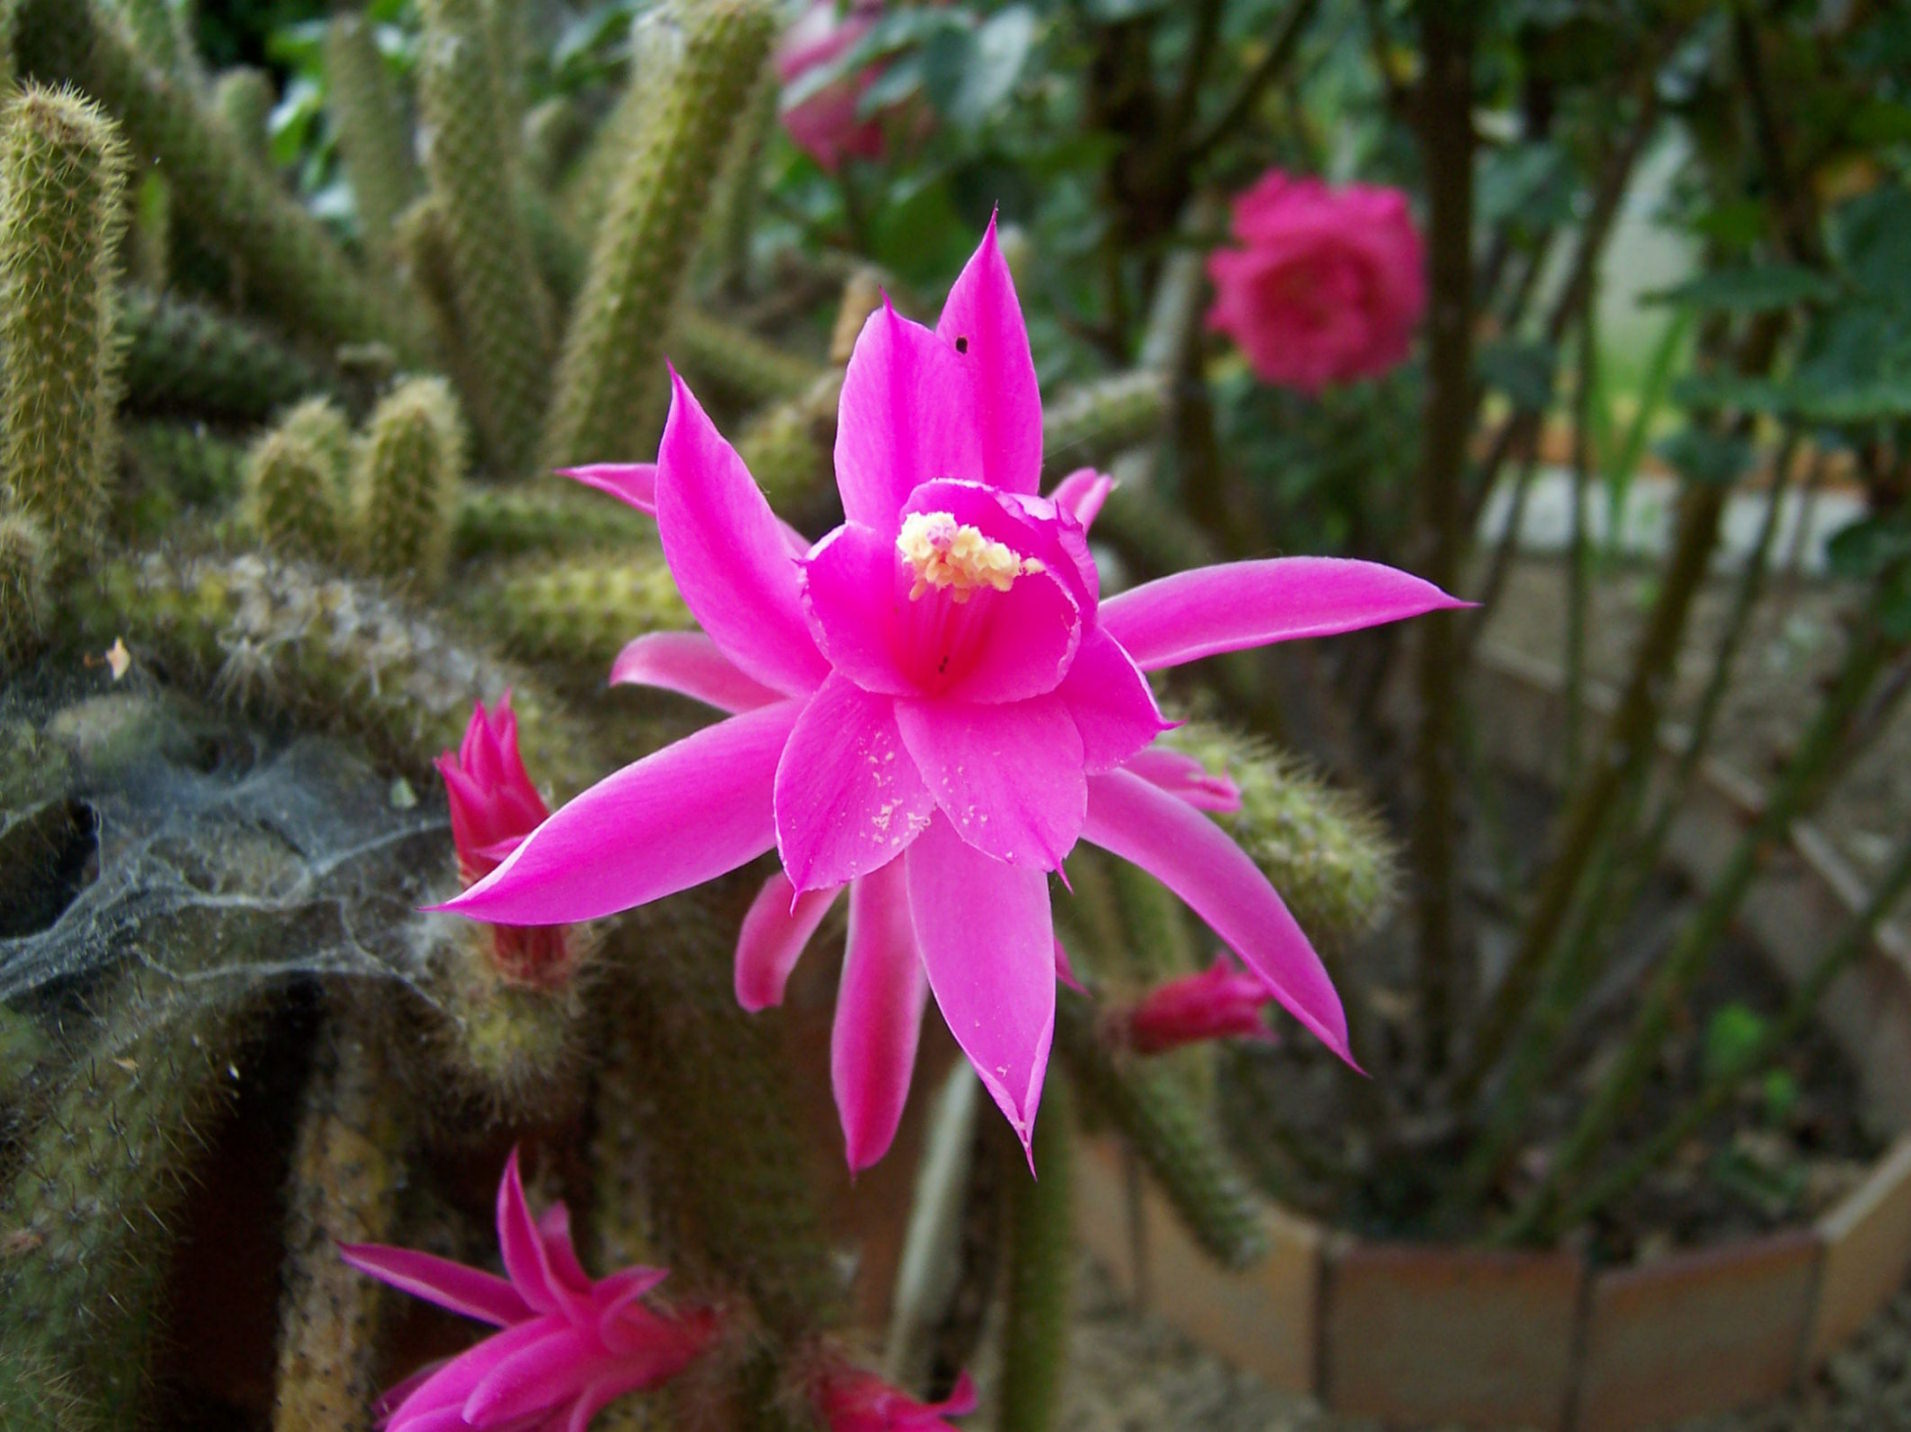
pixel 824 124
pixel 849 1399
pixel 567 1345
pixel 1327 285
pixel 1222 1001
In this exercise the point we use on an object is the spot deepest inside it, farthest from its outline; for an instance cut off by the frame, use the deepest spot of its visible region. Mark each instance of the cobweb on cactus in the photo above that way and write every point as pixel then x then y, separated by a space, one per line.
pixel 220 855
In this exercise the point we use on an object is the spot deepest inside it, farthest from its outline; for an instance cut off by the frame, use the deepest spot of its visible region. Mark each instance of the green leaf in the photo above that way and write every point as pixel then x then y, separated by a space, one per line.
pixel 1702 456
pixel 1522 371
pixel 1732 1037
pixel 968 74
pixel 1751 290
pixel 1863 549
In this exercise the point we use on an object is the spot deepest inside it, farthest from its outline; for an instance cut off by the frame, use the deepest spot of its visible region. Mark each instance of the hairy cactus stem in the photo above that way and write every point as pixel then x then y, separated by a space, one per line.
pixel 410 466
pixel 374 136
pixel 291 501
pixel 1041 1259
pixel 243 99
pixel 182 356
pixel 579 610
pixel 734 363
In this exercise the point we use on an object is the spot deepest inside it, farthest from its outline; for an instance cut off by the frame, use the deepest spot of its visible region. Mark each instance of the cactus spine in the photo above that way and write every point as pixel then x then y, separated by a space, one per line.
pixel 374 138
pixel 502 308
pixel 291 501
pixel 64 172
pixel 1041 1253
pixel 409 467
pixel 610 379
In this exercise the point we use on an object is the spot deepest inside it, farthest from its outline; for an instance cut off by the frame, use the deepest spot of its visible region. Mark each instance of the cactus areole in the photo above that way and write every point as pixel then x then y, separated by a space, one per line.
pixel 930 706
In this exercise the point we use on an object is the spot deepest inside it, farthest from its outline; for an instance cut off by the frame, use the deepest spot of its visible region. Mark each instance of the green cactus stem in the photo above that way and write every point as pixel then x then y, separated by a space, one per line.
pixel 1173 1140
pixel 63 174
pixel 291 501
pixel 1090 423
pixel 1041 1261
pixel 734 208
pixel 1323 850
pixel 424 256
pixel 183 357
pixel 517 1049
pixel 163 33
pixel 502 308
pixel 787 447
pixel 546 518
pixel 291 268
pixel 168 469
pixel 348 1167
pixel 374 137
pixel 25 566
pixel 734 364
pixel 610 386
pixel 86 1215
pixel 1157 939
pixel 324 427
pixel 243 99
pixel 554 131
pixel 410 465
pixel 331 650
pixel 579 610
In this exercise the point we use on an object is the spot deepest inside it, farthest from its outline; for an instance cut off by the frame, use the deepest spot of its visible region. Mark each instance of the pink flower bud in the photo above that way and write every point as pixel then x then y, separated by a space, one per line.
pixel 851 1400
pixel 1327 285
pixel 1223 1000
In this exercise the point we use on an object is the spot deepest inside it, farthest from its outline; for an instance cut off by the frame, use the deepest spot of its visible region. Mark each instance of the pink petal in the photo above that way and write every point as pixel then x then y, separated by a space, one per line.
pixel 1008 777
pixel 1082 493
pixel 906 415
pixel 961 1400
pixel 728 552
pixel 854 596
pixel 1241 604
pixel 450 1384
pixel 469 1292
pixel 1030 526
pixel 690 664
pixel 1181 775
pixel 1109 700
pixel 982 322
pixel 1065 969
pixel 1194 857
pixel 872 1048
pixel 632 483
pixel 779 924
pixel 554 1230
pixel 988 944
pixel 539 1378
pixel 848 795
pixel 684 815
pixel 526 1258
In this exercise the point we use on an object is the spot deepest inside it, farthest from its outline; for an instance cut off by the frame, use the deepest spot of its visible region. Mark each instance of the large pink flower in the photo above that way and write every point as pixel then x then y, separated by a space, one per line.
pixel 932 705
pixel 569 1344
pixel 1327 285
pixel 823 124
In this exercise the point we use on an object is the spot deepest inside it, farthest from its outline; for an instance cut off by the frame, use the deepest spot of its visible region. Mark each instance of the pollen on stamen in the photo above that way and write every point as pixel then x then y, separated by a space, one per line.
pixel 945 553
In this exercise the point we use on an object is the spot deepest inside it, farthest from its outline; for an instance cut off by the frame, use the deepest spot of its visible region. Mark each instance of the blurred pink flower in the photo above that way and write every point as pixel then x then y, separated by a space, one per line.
pixel 493 807
pixel 931 705
pixel 568 1346
pixel 849 1399
pixel 1223 1000
pixel 1328 284
pixel 823 124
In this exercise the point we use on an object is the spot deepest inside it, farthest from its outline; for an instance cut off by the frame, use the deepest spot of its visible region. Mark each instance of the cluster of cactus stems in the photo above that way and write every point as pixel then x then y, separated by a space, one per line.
pixel 366 556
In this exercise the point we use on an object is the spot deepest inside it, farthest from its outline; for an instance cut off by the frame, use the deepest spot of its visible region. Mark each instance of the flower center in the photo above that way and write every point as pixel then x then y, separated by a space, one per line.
pixel 944 553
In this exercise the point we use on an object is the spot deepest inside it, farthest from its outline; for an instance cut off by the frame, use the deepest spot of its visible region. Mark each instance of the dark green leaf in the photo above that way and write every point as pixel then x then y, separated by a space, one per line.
pixel 1751 290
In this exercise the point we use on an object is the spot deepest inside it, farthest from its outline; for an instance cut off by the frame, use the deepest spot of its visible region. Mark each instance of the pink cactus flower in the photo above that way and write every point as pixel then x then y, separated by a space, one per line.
pixel 932 705
pixel 568 1344
pixel 493 807
pixel 1328 284
pixel 849 1399
pixel 823 123
pixel 1222 1001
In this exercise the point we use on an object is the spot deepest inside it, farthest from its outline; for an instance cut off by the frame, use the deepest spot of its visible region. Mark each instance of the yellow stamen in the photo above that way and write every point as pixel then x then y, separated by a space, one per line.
pixel 945 553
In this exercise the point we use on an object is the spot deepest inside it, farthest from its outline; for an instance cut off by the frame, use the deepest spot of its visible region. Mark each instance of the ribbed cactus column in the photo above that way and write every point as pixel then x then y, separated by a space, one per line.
pixel 24 568
pixel 1041 1259
pixel 291 266
pixel 63 168
pixel 502 308
pixel 291 502
pixel 610 382
pixel 243 100
pixel 410 465
pixel 373 136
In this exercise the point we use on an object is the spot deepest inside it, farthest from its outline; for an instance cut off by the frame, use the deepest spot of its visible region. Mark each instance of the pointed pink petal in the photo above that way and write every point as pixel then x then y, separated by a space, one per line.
pixel 906 415
pixel 526 1257
pixel 961 1400
pixel 1181 775
pixel 854 594
pixel 684 815
pixel 626 1285
pixel 554 1230
pixel 848 795
pixel 1194 857
pixel 541 1377
pixel 469 1292
pixel 632 483
pixel 1082 493
pixel 982 321
pixel 1109 700
pixel 1008 777
pixel 872 1047
pixel 690 664
pixel 450 1384
pixel 988 945
pixel 728 552
pixel 1065 969
pixel 777 927
pixel 1241 604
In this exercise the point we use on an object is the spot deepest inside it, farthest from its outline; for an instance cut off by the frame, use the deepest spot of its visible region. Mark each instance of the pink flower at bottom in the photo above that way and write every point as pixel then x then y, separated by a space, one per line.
pixel 1222 1000
pixel 930 707
pixel 849 1399
pixel 1327 284
pixel 569 1344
